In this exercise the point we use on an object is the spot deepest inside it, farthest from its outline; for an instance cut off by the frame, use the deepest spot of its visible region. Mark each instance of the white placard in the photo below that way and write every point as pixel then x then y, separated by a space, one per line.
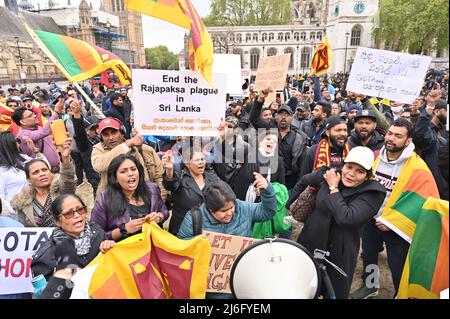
pixel 177 103
pixel 246 74
pixel 386 74
pixel 17 245
pixel 229 64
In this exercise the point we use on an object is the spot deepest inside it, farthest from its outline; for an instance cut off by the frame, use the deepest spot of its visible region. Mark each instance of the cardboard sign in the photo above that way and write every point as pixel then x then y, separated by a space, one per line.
pixel 272 71
pixel 224 251
pixel 177 103
pixel 17 246
pixel 386 74
pixel 229 64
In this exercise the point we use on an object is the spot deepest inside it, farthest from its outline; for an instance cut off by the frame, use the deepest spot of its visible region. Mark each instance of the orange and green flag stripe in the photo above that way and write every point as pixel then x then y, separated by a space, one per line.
pixel 403 208
pixel 426 271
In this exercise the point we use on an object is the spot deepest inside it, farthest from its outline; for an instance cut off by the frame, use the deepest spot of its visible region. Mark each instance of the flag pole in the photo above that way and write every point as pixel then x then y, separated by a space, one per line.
pixel 60 67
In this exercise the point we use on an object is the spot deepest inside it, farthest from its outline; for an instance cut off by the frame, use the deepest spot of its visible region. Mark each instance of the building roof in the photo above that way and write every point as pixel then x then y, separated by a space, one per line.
pixel 12 25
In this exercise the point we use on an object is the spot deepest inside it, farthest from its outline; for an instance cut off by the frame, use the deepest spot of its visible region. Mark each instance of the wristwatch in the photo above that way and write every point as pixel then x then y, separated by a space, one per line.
pixel 332 188
pixel 123 229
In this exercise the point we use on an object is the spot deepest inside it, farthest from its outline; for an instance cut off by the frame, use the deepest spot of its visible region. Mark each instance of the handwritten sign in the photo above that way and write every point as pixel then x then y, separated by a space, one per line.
pixel 245 79
pixel 224 251
pixel 177 103
pixel 17 246
pixel 386 74
pixel 229 64
pixel 272 72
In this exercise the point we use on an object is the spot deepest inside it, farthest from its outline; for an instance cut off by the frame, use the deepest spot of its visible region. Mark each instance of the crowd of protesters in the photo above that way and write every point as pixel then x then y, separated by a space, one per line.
pixel 350 147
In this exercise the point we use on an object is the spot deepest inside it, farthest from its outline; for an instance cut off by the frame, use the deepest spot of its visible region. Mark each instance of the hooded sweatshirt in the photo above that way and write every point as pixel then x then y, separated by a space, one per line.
pixel 388 172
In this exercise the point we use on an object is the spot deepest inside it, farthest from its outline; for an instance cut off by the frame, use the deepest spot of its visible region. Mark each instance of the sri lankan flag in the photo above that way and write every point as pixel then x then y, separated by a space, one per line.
pixel 321 60
pixel 151 265
pixel 183 14
pixel 404 206
pixel 79 60
pixel 426 269
pixel 5 117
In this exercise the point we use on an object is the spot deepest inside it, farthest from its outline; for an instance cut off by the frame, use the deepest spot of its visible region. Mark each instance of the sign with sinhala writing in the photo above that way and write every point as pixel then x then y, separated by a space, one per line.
pixel 386 74
pixel 272 71
pixel 224 251
pixel 177 103
pixel 17 246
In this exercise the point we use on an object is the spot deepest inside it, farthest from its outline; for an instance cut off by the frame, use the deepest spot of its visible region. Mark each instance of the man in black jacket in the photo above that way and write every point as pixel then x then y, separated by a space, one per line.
pixel 365 133
pixel 127 105
pixel 315 127
pixel 432 138
pixel 238 111
pixel 117 111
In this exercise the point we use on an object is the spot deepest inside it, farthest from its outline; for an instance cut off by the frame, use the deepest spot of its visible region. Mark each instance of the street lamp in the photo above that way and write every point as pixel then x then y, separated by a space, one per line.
pixel 108 26
pixel 312 54
pixel 347 34
pixel 20 58
pixel 296 71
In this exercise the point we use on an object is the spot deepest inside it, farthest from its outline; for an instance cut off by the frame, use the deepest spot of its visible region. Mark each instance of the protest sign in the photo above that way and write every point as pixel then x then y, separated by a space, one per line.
pixel 17 245
pixel 224 251
pixel 229 64
pixel 386 74
pixel 177 103
pixel 272 71
pixel 245 81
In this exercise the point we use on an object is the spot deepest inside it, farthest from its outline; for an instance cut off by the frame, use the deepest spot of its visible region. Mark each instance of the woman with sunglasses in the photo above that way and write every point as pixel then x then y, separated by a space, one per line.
pixel 186 185
pixel 32 204
pixel 75 242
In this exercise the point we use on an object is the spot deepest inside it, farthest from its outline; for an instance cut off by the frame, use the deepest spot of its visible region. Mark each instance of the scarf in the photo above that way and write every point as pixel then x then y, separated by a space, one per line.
pixel 323 155
pixel 82 243
pixel 42 215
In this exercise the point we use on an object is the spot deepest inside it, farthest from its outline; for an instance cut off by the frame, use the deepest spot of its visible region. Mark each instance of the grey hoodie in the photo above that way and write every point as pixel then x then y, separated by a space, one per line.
pixel 388 171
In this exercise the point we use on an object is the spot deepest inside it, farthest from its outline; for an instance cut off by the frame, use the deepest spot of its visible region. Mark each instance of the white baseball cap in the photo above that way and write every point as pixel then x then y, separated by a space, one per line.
pixel 361 155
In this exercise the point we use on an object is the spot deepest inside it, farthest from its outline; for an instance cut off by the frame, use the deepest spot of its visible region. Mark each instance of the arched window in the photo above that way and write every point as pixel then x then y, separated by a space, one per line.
pixel 264 37
pixel 280 36
pixel 305 58
pixel 271 36
pixel 303 36
pixel 319 36
pixel 356 36
pixel 255 37
pixel 248 37
pixel 239 38
pixel 296 36
pixel 271 52
pixel 287 36
pixel 291 61
pixel 312 36
pixel 241 54
pixel 231 37
pixel 254 58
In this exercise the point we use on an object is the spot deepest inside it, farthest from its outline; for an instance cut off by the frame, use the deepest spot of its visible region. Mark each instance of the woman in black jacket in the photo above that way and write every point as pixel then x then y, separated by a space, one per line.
pixel 73 233
pixel 344 204
pixel 186 185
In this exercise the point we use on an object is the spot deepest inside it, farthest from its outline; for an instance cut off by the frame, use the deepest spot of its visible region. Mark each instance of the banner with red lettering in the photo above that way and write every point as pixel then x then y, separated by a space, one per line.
pixel 17 246
pixel 224 251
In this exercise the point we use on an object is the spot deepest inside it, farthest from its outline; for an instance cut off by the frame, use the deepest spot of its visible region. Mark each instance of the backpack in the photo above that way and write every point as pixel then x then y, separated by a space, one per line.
pixel 197 221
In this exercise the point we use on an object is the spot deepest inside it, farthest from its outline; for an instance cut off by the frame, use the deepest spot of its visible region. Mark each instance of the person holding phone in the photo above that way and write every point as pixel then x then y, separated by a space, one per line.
pixel 128 200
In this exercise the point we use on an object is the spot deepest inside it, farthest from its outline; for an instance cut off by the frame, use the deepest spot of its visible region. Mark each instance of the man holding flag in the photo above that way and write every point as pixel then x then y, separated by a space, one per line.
pixel 409 183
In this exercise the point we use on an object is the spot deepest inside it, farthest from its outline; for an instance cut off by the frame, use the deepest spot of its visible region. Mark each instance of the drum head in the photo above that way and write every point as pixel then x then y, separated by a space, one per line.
pixel 275 269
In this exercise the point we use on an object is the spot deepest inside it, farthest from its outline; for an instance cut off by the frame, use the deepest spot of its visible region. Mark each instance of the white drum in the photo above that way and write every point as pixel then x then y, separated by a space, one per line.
pixel 275 269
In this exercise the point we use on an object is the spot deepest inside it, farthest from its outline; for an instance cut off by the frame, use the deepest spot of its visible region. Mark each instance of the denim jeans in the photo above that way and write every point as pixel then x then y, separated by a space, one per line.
pixel 372 244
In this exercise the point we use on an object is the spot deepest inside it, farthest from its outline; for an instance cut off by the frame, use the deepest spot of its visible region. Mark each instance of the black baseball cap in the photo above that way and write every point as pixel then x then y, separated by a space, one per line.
pixel 333 121
pixel 440 105
pixel 286 108
pixel 91 121
pixel 303 106
pixel 366 113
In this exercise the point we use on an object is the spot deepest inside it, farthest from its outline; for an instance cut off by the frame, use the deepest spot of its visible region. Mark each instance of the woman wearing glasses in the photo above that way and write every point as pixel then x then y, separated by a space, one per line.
pixel 186 185
pixel 33 203
pixel 75 242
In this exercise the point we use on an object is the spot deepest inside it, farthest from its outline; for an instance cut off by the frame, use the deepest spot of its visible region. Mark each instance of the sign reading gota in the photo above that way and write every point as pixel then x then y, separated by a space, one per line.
pixel 177 103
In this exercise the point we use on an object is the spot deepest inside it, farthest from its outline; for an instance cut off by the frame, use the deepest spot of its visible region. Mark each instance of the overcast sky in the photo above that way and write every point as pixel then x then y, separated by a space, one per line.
pixel 156 32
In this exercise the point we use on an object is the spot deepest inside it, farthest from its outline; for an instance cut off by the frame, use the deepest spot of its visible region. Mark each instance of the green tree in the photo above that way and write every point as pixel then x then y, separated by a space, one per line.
pixel 160 58
pixel 249 12
pixel 416 26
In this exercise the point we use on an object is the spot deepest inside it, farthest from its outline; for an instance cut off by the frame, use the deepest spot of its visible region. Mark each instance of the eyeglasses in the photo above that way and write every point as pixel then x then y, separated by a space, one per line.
pixel 81 210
